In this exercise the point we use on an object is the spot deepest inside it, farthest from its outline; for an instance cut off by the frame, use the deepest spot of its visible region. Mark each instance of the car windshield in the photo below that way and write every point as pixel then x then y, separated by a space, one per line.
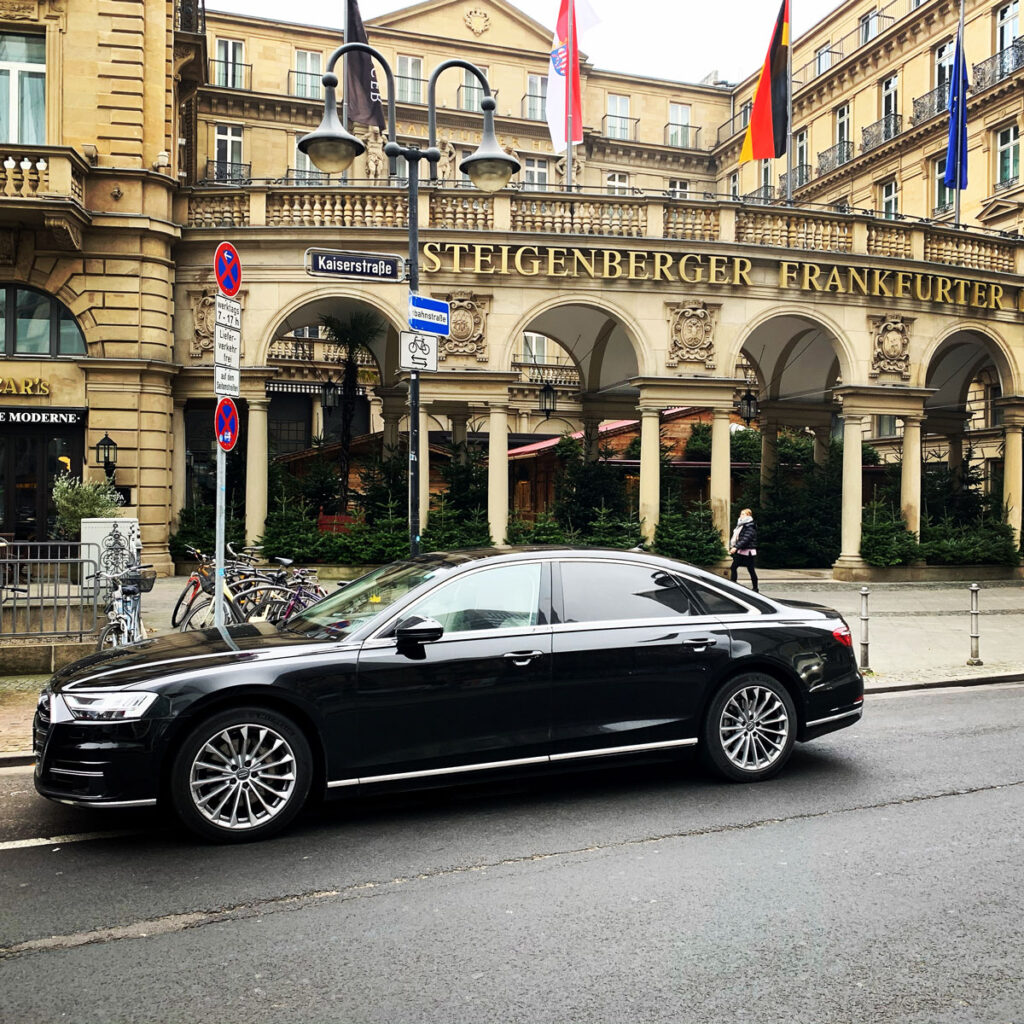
pixel 344 612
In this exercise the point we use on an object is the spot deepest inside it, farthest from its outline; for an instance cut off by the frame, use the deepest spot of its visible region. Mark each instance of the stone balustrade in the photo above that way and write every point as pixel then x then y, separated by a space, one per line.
pixel 652 217
pixel 41 172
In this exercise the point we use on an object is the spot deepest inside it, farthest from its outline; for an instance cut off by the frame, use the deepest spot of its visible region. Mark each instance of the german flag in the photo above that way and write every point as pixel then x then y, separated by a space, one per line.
pixel 769 117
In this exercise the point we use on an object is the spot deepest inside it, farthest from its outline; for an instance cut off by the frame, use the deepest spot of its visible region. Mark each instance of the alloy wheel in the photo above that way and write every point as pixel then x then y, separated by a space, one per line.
pixel 754 728
pixel 243 776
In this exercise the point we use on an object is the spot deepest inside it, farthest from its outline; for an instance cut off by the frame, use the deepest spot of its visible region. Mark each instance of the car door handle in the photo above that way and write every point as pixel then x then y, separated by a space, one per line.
pixel 523 657
pixel 700 641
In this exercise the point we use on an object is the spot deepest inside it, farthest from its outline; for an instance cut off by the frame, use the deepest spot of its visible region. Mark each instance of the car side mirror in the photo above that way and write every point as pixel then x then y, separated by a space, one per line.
pixel 418 629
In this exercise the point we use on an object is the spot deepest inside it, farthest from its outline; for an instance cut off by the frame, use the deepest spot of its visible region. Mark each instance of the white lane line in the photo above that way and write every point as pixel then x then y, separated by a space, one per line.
pixel 80 837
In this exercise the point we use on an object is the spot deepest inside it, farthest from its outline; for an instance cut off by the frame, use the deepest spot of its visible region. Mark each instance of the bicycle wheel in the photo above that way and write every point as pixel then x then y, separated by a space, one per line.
pixel 110 637
pixel 200 616
pixel 262 602
pixel 186 598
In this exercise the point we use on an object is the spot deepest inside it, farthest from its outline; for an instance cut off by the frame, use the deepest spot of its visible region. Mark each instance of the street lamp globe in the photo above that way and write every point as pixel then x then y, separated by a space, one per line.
pixel 489 168
pixel 331 147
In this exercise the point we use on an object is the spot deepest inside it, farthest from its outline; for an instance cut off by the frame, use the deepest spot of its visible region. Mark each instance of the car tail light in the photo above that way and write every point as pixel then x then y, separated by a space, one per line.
pixel 842 634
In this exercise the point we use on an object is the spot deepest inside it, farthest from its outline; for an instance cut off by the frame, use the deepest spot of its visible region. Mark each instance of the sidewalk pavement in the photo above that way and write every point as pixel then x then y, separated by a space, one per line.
pixel 920 635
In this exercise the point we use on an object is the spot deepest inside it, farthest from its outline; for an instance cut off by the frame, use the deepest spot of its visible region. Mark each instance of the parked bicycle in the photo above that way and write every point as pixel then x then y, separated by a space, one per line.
pixel 124 605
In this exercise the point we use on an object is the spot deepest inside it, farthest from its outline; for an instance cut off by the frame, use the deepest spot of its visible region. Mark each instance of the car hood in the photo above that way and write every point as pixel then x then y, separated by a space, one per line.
pixel 159 657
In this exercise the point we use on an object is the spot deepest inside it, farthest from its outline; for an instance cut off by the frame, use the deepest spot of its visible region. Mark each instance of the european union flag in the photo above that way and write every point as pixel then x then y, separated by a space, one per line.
pixel 956 151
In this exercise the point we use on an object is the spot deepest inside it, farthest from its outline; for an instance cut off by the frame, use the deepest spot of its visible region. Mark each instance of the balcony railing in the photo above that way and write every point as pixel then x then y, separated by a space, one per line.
pixel 735 124
pixel 835 156
pixel 224 172
pixel 469 97
pixel 227 74
pixel 539 371
pixel 310 176
pixel 533 107
pixel 801 176
pixel 190 16
pixel 883 130
pixel 942 210
pixel 412 90
pixel 683 136
pixel 764 194
pixel 614 126
pixel 1006 184
pixel 1002 65
pixel 931 104
pixel 305 84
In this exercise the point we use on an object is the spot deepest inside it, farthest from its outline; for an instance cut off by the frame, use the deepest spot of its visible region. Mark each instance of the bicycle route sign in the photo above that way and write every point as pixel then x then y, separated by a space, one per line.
pixel 225 421
pixel 227 268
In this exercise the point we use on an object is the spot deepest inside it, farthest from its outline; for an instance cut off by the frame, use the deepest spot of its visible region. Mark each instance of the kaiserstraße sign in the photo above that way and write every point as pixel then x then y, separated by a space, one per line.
pixel 360 266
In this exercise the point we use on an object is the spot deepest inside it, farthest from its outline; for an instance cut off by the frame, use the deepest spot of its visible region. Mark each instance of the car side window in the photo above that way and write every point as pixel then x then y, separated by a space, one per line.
pixel 615 591
pixel 504 597
pixel 715 601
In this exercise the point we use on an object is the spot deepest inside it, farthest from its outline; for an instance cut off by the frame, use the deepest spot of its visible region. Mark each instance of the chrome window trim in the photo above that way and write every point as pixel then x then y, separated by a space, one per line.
pixel 710 621
pixel 835 718
pixel 489 765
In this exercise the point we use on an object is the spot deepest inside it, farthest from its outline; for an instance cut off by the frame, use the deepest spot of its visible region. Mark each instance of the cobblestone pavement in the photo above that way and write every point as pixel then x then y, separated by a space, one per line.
pixel 919 633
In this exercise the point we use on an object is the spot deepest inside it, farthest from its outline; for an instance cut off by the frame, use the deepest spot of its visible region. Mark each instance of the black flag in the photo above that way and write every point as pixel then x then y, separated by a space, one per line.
pixel 361 90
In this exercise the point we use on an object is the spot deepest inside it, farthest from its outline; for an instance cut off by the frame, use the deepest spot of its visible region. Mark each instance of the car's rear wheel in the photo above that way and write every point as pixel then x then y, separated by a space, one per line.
pixel 750 728
pixel 241 775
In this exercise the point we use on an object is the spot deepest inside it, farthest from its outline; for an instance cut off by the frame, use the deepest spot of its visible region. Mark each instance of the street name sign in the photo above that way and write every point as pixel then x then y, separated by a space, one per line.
pixel 417 351
pixel 360 266
pixel 429 316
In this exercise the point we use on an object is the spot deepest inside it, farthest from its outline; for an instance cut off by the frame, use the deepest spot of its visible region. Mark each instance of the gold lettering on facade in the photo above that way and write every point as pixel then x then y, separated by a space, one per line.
pixel 612 261
pixel 520 253
pixel 787 273
pixel 741 270
pixel 430 252
pixel 638 263
pixel 662 266
pixel 588 263
pixel 699 273
pixel 556 263
pixel 28 386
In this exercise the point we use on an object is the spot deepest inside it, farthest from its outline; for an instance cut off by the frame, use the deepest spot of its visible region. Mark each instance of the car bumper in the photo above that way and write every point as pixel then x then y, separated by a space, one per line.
pixel 113 764
pixel 834 705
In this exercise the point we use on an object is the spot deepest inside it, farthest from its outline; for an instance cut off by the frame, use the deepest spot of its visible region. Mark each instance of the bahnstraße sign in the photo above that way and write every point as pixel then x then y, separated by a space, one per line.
pixel 362 266
pixel 714 270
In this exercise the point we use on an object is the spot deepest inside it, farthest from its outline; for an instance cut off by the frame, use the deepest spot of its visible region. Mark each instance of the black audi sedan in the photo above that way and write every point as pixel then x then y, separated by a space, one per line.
pixel 441 668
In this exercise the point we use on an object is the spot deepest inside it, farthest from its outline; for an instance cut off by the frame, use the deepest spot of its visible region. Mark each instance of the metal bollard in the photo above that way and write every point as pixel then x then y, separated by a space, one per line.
pixel 864 629
pixel 974 659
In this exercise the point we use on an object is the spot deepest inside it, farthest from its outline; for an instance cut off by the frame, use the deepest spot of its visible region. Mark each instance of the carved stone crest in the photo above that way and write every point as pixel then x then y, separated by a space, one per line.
pixel 477 21
pixel 692 334
pixel 19 10
pixel 466 327
pixel 890 350
pixel 204 316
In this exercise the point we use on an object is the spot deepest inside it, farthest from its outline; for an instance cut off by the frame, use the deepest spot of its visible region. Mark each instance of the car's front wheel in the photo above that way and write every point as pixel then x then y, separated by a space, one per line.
pixel 750 728
pixel 241 775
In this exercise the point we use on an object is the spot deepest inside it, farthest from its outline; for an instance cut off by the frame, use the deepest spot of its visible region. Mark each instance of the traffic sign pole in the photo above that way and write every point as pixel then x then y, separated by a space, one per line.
pixel 218 590
pixel 413 170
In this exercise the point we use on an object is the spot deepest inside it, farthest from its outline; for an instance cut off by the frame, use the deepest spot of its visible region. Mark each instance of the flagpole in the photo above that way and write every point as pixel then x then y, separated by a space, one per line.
pixel 789 104
pixel 568 93
pixel 961 110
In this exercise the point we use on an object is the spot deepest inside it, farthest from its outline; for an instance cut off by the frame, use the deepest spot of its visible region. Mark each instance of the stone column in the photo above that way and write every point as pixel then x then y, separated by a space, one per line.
pixel 391 421
pixel 458 428
pixel 316 405
pixel 497 473
pixel 955 460
pixel 256 470
pixel 424 457
pixel 853 489
pixel 1013 476
pixel 721 465
pixel 769 452
pixel 376 414
pixel 178 468
pixel 650 470
pixel 822 440
pixel 910 478
pixel 592 439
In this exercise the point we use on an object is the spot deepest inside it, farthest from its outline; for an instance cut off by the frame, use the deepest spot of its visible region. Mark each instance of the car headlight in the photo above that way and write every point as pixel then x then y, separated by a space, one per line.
pixel 109 706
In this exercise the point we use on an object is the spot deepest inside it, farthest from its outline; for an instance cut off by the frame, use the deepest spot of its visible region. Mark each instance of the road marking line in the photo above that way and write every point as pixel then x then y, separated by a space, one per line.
pixel 79 837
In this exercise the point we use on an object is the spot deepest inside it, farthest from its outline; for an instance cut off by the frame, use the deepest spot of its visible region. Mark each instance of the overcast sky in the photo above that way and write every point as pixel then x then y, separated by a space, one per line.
pixel 683 40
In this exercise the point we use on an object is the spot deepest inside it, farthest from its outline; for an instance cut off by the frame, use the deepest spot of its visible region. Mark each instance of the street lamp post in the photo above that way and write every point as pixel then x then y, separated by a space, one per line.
pixel 332 148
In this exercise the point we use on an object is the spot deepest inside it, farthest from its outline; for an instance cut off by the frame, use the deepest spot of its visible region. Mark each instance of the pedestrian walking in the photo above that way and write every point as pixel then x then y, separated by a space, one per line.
pixel 743 547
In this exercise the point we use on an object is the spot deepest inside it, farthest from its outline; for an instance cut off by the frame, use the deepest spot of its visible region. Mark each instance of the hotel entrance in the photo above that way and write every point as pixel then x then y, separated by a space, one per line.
pixel 36 446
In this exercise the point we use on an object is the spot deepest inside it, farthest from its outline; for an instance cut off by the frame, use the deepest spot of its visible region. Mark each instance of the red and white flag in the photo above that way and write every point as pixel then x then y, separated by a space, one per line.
pixel 564 79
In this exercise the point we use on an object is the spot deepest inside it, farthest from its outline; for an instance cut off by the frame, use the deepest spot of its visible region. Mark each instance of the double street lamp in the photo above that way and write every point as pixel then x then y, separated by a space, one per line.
pixel 332 148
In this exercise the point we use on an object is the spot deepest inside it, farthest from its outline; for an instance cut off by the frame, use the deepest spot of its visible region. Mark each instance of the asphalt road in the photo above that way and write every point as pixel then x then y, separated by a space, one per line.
pixel 878 879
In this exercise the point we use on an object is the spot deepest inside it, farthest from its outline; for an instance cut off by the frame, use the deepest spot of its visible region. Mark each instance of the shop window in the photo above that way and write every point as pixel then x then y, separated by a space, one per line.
pixel 22 89
pixel 33 323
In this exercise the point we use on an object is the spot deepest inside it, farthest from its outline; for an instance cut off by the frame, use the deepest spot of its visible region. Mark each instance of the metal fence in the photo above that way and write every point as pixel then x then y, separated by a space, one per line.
pixel 46 588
